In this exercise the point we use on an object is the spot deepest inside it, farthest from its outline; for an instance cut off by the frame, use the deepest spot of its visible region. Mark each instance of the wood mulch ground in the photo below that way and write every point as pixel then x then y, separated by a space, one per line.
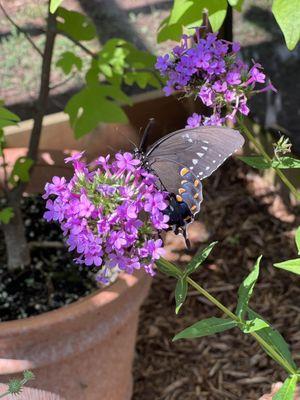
pixel 248 218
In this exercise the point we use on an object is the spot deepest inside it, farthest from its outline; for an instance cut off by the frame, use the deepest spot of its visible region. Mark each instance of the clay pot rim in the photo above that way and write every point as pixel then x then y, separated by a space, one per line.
pixel 84 305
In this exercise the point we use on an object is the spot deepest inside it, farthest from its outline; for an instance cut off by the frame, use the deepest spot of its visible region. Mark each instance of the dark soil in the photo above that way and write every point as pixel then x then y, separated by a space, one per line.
pixel 51 281
pixel 248 218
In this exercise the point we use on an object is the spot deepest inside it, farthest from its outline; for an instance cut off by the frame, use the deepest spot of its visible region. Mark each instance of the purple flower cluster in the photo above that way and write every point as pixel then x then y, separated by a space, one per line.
pixel 110 214
pixel 209 69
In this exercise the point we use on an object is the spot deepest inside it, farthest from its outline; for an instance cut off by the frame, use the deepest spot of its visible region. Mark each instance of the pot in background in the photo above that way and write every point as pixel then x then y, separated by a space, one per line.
pixel 81 351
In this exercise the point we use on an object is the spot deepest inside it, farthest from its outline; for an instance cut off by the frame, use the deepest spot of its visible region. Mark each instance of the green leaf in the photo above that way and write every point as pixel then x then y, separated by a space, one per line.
pixel 6 215
pixel 89 107
pixel 7 118
pixel 297 239
pixel 290 265
pixel 75 24
pixel 54 4
pixel 246 289
pixel 167 268
pixel 21 170
pixel 254 325
pixel 236 4
pixel 67 61
pixel 199 257
pixel 287 390
pixel 274 339
pixel 286 163
pixel 188 13
pixel 256 162
pixel 206 327
pixel 180 293
pixel 287 15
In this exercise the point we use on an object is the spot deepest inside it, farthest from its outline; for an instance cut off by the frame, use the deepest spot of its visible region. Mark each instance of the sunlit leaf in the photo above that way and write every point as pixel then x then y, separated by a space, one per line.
pixel 297 239
pixel 54 4
pixel 67 61
pixel 286 163
pixel 7 118
pixel 236 4
pixel 274 339
pixel 246 289
pixel 91 106
pixel 287 390
pixel 75 24
pixel 287 15
pixel 206 327
pixel 180 292
pixel 6 215
pixel 256 162
pixel 254 325
pixel 290 265
pixel 167 268
pixel 199 257
pixel 21 170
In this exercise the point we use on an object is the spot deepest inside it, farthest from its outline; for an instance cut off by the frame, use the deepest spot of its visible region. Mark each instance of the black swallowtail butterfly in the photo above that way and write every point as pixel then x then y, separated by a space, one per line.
pixel 181 160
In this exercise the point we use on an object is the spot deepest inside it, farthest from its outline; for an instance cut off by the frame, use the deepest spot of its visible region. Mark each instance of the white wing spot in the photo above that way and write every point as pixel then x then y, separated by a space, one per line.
pixel 190 140
pixel 207 168
pixel 195 161
pixel 200 173
pixel 186 135
pixel 200 154
pixel 220 155
pixel 205 141
pixel 204 148
pixel 214 161
pixel 191 168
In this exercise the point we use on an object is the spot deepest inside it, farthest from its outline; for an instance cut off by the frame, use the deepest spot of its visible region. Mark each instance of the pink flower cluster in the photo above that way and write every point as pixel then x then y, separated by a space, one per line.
pixel 111 214
pixel 209 69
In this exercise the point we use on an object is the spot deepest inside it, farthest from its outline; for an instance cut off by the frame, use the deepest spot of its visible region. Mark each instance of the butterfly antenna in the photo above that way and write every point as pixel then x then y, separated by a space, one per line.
pixel 187 241
pixel 129 140
pixel 146 134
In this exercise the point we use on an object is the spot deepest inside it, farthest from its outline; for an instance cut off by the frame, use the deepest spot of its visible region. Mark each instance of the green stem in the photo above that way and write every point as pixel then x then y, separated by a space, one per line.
pixel 263 152
pixel 4 394
pixel 179 273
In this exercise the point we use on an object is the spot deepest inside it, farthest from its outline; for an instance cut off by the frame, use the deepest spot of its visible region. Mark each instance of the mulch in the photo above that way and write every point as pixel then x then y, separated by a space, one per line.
pixel 248 218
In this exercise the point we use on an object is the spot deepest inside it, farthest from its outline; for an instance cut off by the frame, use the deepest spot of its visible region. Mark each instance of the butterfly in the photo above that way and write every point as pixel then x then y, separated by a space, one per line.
pixel 181 160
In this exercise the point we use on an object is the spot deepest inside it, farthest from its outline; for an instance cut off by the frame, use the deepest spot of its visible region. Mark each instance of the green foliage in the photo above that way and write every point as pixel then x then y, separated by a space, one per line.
pixel 254 325
pixel 188 13
pixel 75 25
pixel 290 265
pixel 287 390
pixel 206 327
pixel 15 386
pixel 256 162
pixel 199 258
pixel 7 118
pixel 67 61
pixel 21 170
pixel 272 337
pixel 246 289
pixel 54 4
pixel 287 15
pixel 167 268
pixel 286 163
pixel 6 215
pixel 180 292
pixel 237 4
pixel 95 104
pixel 260 162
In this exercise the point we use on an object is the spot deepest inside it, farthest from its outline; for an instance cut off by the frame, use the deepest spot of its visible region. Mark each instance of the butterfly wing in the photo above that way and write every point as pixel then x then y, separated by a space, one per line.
pixel 183 158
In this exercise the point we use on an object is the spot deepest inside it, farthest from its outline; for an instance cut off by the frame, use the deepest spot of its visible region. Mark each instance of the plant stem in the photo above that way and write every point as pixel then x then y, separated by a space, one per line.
pixel 263 152
pixel 174 269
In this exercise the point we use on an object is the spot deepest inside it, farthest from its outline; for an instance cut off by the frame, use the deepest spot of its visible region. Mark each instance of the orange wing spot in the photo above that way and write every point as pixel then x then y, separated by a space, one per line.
pixel 193 208
pixel 196 195
pixel 181 190
pixel 179 198
pixel 196 183
pixel 184 171
pixel 188 219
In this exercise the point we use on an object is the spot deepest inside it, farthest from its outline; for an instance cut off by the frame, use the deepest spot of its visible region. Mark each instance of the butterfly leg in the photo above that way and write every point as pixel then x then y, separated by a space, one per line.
pixel 187 241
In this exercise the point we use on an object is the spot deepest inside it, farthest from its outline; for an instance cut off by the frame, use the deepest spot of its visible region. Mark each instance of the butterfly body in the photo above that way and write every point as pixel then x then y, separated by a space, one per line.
pixel 181 160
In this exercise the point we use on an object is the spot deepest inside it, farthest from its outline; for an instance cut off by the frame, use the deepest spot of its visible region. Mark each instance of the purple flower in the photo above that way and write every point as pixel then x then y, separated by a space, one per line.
pixel 233 78
pixel 193 121
pixel 256 75
pixel 74 157
pixel 206 95
pixel 126 161
pixel 162 63
pixel 108 211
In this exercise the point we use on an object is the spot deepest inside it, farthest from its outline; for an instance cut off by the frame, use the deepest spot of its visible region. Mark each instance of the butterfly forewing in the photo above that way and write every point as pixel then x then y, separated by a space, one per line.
pixel 202 150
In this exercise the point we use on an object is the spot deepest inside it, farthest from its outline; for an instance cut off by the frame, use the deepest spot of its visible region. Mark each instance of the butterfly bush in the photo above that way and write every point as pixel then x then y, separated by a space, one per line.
pixel 110 213
pixel 210 69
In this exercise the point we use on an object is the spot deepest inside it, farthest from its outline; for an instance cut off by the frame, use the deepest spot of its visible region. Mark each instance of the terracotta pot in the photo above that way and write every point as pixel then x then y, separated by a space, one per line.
pixel 30 394
pixel 83 351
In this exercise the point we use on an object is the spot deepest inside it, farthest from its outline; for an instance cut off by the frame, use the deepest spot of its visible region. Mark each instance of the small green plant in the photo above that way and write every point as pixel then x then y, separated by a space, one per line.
pixel 15 386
